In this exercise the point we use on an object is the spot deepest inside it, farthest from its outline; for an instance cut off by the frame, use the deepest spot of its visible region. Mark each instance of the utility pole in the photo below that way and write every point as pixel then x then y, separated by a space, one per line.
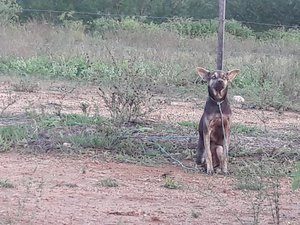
pixel 220 49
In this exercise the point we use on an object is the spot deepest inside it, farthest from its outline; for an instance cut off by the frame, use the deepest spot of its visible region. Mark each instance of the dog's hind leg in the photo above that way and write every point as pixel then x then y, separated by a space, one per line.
pixel 200 151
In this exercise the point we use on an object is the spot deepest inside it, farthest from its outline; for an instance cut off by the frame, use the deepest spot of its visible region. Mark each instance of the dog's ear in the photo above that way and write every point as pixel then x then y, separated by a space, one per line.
pixel 203 73
pixel 232 74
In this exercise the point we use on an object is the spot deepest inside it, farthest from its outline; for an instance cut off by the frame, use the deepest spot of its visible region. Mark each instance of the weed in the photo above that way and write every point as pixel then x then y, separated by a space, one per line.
pixel 94 141
pixel 296 174
pixel 251 186
pixel 71 185
pixel 128 95
pixel 190 124
pixel 170 183
pixel 262 177
pixel 239 128
pixel 6 184
pixel 109 182
pixel 71 120
pixel 195 214
pixel 11 135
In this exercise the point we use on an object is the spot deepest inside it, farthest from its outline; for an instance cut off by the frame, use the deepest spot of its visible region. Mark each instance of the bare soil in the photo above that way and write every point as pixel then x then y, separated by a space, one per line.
pixel 58 189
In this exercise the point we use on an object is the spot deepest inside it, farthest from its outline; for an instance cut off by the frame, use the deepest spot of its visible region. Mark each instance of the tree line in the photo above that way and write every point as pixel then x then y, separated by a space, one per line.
pixel 280 12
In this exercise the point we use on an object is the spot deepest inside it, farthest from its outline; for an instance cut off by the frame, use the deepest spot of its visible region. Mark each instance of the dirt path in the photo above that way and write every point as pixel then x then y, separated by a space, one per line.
pixel 64 190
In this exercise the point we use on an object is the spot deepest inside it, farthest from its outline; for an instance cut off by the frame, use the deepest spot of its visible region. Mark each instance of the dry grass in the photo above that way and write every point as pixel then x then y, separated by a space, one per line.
pixel 269 69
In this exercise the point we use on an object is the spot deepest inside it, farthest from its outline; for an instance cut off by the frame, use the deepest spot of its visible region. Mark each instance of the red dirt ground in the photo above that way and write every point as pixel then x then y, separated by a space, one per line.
pixel 52 189
pixel 44 194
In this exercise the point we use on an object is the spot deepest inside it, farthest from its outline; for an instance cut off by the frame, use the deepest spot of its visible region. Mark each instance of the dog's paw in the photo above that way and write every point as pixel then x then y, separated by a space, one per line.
pixel 225 172
pixel 199 161
pixel 210 171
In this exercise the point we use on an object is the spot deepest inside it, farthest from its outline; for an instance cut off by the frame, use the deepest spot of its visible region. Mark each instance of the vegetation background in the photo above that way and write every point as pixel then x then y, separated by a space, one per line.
pixel 134 49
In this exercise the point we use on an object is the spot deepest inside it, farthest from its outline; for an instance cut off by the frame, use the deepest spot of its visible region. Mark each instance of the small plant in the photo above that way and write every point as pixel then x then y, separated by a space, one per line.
pixel 260 182
pixel 6 184
pixel 296 174
pixel 250 186
pixel 11 135
pixel 109 182
pixel 189 124
pixel 85 108
pixel 128 94
pixel 170 183
pixel 71 185
pixel 195 214
pixel 244 129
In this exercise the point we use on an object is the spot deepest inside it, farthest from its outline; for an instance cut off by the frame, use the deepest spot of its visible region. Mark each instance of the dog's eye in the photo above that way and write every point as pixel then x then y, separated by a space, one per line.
pixel 213 77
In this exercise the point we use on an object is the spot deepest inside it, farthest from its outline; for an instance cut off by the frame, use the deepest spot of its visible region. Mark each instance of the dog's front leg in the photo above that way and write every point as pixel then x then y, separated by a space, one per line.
pixel 226 148
pixel 226 153
pixel 207 152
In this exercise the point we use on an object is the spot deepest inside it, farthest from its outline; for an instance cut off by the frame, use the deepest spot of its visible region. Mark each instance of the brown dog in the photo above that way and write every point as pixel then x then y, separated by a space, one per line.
pixel 214 126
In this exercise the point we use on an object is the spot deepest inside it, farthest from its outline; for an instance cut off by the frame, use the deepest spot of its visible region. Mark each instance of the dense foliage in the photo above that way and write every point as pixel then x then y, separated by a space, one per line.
pixel 285 12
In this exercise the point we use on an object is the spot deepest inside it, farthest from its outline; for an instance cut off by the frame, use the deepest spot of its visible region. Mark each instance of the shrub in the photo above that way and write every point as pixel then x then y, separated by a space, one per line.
pixel 190 28
pixel 127 94
pixel 9 10
pixel 103 25
pixel 291 35
pixel 204 28
pixel 237 29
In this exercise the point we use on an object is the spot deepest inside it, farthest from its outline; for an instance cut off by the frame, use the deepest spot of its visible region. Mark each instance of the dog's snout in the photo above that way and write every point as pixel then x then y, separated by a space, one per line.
pixel 220 82
pixel 219 85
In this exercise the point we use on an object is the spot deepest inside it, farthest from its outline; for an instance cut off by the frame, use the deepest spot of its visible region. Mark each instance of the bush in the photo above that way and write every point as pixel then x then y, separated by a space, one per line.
pixel 9 10
pixel 291 35
pixel 204 28
pixel 190 28
pixel 237 29
pixel 103 25
pixel 127 94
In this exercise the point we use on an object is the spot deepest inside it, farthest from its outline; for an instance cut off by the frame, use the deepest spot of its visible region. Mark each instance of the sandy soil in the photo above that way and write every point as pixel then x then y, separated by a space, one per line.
pixel 52 189
pixel 64 190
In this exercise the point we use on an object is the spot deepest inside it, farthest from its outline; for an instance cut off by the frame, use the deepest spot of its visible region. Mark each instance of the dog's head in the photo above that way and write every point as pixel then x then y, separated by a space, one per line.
pixel 217 81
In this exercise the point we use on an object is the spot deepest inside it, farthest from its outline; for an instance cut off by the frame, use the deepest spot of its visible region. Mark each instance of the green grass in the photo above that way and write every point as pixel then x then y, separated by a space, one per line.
pixel 238 128
pixel 94 141
pixel 71 120
pixel 11 135
pixel 171 183
pixel 71 185
pixel 108 182
pixel 189 124
pixel 168 62
pixel 6 184
pixel 249 186
pixel 296 175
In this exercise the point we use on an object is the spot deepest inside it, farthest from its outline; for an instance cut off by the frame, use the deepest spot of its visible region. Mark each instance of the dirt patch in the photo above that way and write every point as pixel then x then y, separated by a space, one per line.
pixel 64 190
pixel 68 98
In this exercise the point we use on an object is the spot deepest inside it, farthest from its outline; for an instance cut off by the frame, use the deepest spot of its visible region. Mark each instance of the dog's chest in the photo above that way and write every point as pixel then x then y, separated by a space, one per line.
pixel 216 127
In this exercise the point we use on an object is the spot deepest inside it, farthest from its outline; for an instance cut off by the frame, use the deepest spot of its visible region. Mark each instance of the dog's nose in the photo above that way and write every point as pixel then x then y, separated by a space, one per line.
pixel 220 82
pixel 219 85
